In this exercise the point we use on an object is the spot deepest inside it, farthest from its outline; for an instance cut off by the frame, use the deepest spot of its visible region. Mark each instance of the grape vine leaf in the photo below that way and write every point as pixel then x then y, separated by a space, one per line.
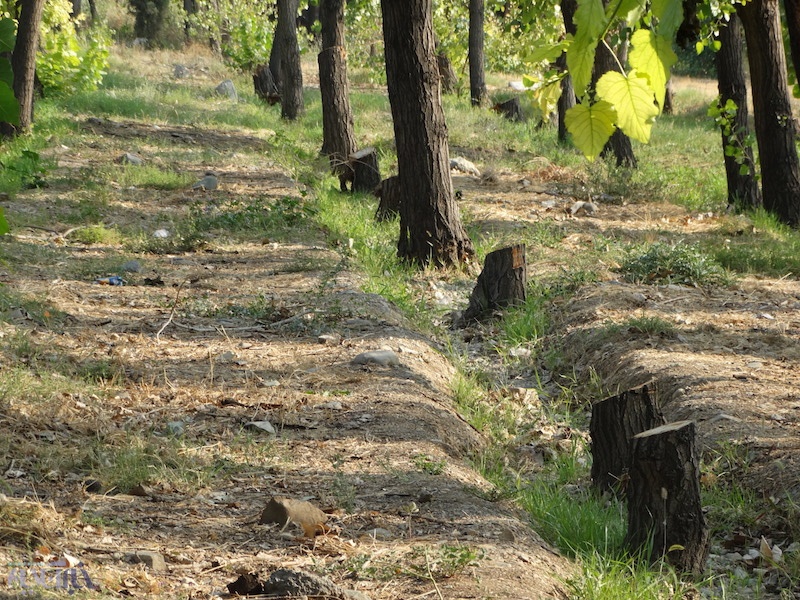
pixel 652 57
pixel 8 34
pixel 591 125
pixel 4 228
pixel 633 101
pixel 9 107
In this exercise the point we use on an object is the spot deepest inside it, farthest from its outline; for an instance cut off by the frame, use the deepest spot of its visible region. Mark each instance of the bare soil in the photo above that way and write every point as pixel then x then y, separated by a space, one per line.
pixel 353 439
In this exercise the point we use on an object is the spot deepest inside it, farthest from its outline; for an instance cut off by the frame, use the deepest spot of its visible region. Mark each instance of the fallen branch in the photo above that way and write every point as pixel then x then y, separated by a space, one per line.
pixel 171 312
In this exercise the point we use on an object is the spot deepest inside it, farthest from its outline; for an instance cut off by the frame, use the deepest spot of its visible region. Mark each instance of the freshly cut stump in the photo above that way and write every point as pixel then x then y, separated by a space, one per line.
pixel 502 283
pixel 664 509
pixel 366 172
pixel 615 420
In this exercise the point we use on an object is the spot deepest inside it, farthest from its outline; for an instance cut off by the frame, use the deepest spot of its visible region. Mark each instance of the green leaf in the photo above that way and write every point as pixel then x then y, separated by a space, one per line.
pixel 6 74
pixel 8 35
pixel 633 101
pixel 652 57
pixel 630 10
pixel 580 62
pixel 590 126
pixel 9 107
pixel 4 228
pixel 547 53
pixel 590 19
pixel 670 16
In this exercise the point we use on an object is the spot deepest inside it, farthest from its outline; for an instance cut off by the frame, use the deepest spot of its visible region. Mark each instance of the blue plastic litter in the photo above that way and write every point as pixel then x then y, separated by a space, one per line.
pixel 113 280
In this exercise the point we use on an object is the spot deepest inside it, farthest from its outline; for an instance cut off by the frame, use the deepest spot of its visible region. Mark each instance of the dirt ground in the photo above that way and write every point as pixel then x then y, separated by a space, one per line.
pixel 380 448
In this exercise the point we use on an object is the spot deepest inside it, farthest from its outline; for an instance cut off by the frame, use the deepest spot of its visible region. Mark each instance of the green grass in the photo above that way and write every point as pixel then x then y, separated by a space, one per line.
pixel 678 263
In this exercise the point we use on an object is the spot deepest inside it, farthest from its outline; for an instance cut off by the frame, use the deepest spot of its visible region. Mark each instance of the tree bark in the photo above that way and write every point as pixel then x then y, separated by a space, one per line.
pixel 430 224
pixel 275 58
pixel 366 172
pixel 447 76
pixel 743 191
pixel 502 283
pixel 338 138
pixel 264 85
pixel 389 195
pixel 477 75
pixel 792 10
pixel 567 98
pixel 292 105
pixel 664 508
pixel 614 422
pixel 775 127
pixel 23 60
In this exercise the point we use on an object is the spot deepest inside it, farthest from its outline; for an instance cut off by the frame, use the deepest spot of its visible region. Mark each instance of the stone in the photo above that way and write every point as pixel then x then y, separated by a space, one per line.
pixel 131 266
pixel 283 511
pixel 330 339
pixel 153 560
pixel 228 90
pixel 180 72
pixel 176 428
pixel 459 163
pixel 161 234
pixel 261 426
pixel 208 182
pixel 384 358
pixel 129 158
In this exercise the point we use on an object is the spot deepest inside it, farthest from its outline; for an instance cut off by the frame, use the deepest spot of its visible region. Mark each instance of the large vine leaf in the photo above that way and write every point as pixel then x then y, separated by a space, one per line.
pixel 591 125
pixel 633 101
pixel 590 18
pixel 6 74
pixel 4 228
pixel 629 10
pixel 580 62
pixel 652 57
pixel 9 107
pixel 670 16
pixel 547 53
pixel 8 35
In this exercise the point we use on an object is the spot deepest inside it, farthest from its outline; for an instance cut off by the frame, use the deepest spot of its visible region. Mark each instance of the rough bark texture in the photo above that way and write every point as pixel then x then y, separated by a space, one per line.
pixel 338 139
pixel 567 98
pixel 775 128
pixel 510 109
pixel 502 283
pixel 23 60
pixel 477 74
pixel 743 191
pixel 276 58
pixel 264 85
pixel 389 194
pixel 292 105
pixel 664 507
pixel 447 76
pixel 366 172
pixel 615 421
pixel 669 99
pixel 430 223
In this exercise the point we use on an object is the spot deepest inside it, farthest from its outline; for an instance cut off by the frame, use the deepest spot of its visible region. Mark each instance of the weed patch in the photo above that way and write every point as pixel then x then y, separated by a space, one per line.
pixel 679 263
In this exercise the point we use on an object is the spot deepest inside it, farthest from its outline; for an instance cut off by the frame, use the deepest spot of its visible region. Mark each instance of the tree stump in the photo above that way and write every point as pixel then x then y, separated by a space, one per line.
pixel 510 109
pixel 664 509
pixel 265 86
pixel 447 76
pixel 366 173
pixel 502 283
pixel 388 191
pixel 615 421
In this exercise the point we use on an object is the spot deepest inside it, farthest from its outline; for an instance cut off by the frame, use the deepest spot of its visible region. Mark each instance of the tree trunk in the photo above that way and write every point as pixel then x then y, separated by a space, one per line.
pixel 792 10
pixel 775 128
pixel 743 189
pixel 615 421
pixel 76 9
pixel 664 508
pixel 430 224
pixel 23 60
pixel 567 98
pixel 292 105
pixel 669 99
pixel 338 139
pixel 502 283
pixel 275 58
pixel 93 10
pixel 477 75
pixel 309 16
pixel 264 85
pixel 190 8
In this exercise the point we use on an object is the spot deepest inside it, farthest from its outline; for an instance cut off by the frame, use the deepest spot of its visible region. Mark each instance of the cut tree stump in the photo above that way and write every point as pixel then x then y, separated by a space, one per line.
pixel 615 421
pixel 388 191
pixel 502 283
pixel 664 508
pixel 447 76
pixel 366 173
pixel 510 109
pixel 265 86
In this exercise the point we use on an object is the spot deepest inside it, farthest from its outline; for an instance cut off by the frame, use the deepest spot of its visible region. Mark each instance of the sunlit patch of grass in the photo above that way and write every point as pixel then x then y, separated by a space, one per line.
pixel 679 263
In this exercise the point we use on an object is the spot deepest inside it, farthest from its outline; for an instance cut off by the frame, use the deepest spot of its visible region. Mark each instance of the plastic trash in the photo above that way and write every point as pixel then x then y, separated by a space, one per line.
pixel 113 280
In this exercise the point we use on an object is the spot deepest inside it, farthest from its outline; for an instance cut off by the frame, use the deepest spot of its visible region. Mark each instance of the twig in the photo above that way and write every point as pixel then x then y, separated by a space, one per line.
pixel 430 574
pixel 171 312
pixel 294 318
